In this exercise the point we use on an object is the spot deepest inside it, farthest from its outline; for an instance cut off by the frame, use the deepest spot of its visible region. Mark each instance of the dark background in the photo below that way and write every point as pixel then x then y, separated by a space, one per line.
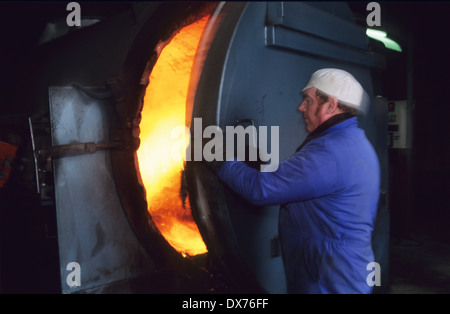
pixel 420 175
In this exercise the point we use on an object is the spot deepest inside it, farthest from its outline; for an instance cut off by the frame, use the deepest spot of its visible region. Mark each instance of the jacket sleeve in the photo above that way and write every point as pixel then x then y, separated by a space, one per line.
pixel 308 174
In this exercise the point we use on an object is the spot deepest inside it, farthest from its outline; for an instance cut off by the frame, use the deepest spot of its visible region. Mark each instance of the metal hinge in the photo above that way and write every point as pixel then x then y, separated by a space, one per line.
pixel 60 151
pixel 275 13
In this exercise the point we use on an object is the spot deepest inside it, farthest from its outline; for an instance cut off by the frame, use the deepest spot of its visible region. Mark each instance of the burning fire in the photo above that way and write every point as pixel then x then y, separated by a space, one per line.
pixel 165 109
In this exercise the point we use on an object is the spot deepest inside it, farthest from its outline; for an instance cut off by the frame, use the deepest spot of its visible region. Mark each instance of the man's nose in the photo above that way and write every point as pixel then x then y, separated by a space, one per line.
pixel 301 107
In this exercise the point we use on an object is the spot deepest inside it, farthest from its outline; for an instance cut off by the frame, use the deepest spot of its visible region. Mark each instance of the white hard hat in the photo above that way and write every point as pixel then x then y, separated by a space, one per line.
pixel 340 84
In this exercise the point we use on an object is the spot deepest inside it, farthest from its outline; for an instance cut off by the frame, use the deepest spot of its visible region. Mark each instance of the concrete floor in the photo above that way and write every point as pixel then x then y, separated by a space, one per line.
pixel 419 264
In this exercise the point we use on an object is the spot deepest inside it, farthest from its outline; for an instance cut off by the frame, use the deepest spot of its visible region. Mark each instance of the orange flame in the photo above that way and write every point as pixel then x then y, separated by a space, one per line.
pixel 164 110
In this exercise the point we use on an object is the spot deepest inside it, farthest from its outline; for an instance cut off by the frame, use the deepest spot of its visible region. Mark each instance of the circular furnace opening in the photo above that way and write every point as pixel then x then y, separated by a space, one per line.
pixel 160 154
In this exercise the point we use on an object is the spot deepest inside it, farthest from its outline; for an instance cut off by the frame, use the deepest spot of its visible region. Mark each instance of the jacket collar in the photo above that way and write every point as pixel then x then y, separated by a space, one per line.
pixel 327 125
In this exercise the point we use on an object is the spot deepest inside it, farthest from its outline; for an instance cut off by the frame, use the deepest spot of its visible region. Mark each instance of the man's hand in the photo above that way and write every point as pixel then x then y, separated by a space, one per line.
pixel 217 151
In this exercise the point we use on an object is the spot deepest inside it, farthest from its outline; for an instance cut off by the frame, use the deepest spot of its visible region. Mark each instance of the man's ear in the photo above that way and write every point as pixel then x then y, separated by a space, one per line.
pixel 332 105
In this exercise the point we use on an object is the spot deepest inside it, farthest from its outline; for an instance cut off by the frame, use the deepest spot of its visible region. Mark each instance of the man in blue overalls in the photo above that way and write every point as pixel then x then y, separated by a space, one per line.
pixel 328 191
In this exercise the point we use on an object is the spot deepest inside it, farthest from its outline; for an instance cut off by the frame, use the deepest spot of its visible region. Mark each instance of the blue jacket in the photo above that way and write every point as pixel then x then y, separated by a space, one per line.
pixel 329 192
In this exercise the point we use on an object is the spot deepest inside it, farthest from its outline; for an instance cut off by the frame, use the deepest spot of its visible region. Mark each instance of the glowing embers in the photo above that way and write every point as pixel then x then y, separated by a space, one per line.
pixel 164 110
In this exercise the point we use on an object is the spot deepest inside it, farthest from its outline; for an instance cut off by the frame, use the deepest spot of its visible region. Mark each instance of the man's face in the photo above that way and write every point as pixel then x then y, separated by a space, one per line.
pixel 313 114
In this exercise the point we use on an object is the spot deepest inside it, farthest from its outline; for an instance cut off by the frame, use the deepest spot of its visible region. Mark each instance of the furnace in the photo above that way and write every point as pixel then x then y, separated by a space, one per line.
pixel 161 162
pixel 133 212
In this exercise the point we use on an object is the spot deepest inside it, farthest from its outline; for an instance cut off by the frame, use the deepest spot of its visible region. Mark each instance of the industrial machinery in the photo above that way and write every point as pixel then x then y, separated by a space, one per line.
pixel 112 92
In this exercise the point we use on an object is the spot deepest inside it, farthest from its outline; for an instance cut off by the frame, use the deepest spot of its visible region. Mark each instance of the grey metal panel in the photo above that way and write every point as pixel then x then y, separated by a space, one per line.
pixel 308 18
pixel 92 228
pixel 288 39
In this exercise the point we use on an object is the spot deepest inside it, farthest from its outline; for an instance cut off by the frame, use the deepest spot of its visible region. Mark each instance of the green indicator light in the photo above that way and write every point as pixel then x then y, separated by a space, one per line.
pixel 382 36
